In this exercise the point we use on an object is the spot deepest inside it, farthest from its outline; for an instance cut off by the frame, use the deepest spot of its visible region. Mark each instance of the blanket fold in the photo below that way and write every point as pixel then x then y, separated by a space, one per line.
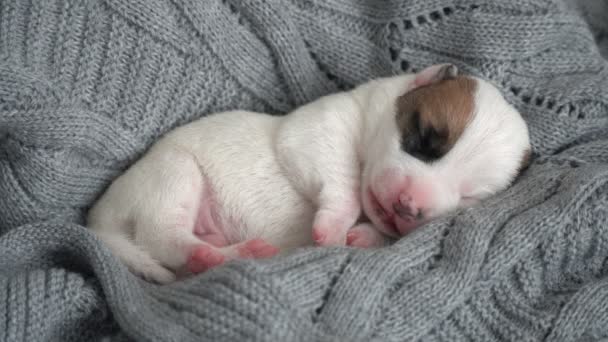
pixel 86 86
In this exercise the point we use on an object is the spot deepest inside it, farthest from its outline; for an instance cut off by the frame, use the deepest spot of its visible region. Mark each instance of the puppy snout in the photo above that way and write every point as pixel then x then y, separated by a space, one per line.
pixel 406 208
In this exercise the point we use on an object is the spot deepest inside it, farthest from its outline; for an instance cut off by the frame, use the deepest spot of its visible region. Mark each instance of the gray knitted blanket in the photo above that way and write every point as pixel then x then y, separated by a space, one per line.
pixel 86 86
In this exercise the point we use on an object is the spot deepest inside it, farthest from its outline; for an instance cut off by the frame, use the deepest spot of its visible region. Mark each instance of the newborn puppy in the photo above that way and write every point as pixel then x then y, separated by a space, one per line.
pixel 396 151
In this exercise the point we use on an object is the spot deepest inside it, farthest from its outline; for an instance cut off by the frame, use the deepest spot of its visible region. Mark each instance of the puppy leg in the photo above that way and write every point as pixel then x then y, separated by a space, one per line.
pixel 137 260
pixel 317 149
pixel 337 213
pixel 364 235
pixel 168 185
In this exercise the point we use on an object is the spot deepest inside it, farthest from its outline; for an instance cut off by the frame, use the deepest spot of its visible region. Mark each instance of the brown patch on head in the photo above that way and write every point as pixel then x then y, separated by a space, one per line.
pixel 432 118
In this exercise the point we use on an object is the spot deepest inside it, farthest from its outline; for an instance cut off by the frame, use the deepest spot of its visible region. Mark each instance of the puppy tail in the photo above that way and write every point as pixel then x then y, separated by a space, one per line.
pixel 139 261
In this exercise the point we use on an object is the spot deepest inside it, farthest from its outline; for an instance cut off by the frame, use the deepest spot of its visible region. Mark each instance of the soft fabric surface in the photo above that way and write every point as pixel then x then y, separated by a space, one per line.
pixel 87 86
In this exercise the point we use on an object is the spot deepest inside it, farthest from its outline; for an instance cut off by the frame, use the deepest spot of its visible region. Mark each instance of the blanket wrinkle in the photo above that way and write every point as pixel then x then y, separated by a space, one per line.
pixel 86 86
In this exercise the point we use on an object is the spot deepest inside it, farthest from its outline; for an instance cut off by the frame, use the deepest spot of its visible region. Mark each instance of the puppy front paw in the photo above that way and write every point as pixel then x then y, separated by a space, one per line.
pixel 365 236
pixel 325 235
pixel 330 226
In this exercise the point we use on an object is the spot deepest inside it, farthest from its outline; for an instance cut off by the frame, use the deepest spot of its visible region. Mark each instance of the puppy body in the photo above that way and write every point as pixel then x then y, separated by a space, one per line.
pixel 340 170
pixel 215 180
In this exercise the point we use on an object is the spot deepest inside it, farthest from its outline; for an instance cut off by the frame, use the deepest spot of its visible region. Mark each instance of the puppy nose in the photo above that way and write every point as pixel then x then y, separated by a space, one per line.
pixel 406 208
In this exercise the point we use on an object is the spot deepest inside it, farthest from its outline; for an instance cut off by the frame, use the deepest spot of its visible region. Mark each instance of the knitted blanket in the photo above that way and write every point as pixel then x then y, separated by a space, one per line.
pixel 87 85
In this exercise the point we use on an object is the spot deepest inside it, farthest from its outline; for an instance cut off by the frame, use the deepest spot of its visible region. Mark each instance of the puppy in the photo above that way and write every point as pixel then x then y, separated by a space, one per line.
pixel 350 168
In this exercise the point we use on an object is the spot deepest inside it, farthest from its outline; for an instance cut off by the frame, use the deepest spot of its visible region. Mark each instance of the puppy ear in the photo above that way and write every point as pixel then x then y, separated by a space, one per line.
pixel 435 73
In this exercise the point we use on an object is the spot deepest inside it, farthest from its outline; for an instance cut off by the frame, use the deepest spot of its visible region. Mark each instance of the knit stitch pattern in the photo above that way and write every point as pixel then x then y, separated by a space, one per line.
pixel 86 86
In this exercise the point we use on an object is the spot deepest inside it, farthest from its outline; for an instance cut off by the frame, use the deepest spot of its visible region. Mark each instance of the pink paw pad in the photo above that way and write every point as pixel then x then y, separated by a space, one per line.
pixel 318 236
pixel 329 229
pixel 324 236
pixel 203 258
pixel 256 248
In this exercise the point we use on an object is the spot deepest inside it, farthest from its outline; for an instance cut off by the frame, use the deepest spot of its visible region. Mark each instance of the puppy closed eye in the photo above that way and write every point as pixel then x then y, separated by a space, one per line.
pixel 423 141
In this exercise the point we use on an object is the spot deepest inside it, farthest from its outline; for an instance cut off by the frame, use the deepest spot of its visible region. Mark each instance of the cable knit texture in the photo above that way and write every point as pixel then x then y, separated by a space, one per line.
pixel 86 86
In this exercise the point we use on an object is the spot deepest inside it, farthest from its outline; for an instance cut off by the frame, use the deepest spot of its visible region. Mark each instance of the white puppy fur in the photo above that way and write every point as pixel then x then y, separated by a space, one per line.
pixel 245 184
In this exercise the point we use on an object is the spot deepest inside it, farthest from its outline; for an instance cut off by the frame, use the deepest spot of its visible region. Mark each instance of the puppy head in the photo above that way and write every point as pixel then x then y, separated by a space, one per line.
pixel 446 142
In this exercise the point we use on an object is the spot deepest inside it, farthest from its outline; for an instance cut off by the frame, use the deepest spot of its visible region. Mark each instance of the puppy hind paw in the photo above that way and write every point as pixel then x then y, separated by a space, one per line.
pixel 204 257
pixel 256 248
